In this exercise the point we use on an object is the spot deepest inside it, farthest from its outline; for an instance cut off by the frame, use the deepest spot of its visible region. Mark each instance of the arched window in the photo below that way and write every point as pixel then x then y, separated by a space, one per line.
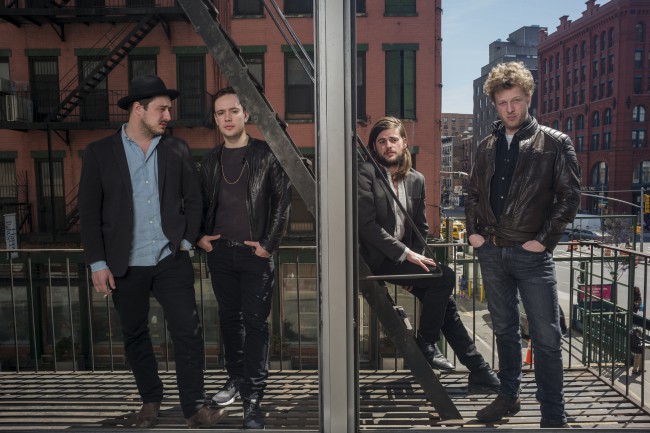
pixel 638 114
pixel 599 174
pixel 595 119
pixel 580 123
pixel 640 32
pixel 569 124
pixel 607 117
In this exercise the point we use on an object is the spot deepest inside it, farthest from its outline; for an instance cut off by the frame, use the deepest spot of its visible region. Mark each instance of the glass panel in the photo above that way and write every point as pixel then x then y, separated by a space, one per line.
pixel 191 85
pixel 44 82
pixel 298 7
pixel 141 65
pixel 248 7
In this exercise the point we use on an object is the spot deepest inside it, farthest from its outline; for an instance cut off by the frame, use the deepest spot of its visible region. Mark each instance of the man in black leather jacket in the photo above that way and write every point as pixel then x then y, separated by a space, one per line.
pixel 246 199
pixel 523 190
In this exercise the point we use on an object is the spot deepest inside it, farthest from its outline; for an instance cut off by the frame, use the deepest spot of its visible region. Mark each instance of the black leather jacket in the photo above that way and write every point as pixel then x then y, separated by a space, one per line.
pixel 544 195
pixel 269 193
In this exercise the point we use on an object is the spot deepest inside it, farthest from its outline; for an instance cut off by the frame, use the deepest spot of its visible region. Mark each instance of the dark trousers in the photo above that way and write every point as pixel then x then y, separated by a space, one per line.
pixel 432 292
pixel 243 285
pixel 462 344
pixel 172 284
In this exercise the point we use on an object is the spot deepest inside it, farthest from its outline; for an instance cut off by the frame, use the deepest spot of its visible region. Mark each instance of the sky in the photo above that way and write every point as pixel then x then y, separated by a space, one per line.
pixel 470 26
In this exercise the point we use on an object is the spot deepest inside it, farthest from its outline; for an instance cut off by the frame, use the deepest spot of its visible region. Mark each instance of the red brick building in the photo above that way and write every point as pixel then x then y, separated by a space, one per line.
pixel 47 48
pixel 594 84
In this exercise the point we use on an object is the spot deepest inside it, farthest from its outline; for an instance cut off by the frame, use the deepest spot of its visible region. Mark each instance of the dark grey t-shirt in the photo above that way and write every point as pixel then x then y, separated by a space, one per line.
pixel 231 221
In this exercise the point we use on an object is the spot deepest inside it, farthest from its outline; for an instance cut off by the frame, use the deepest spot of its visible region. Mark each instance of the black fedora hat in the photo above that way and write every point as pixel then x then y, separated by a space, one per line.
pixel 146 86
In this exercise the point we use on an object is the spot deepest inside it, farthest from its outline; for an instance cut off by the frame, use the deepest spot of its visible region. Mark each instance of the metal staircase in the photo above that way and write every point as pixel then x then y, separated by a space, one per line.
pixel 108 63
pixel 226 53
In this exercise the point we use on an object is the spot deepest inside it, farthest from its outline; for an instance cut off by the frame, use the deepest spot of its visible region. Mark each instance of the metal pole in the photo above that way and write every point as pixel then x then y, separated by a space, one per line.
pixel 335 209
pixel 641 220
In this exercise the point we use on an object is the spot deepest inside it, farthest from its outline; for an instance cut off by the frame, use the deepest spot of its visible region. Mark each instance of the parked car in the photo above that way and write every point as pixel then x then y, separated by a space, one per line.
pixel 580 235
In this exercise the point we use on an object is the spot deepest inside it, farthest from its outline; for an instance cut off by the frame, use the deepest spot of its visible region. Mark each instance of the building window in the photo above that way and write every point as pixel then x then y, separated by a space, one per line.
pixel 638 138
pixel 645 172
pixel 636 84
pixel 575 53
pixel 583 73
pixel 638 59
pixel 255 64
pixel 607 117
pixel 400 7
pixel 45 190
pixel 190 82
pixel 568 56
pixel 580 123
pixel 94 103
pixel 603 65
pixel 580 143
pixel 583 50
pixel 141 65
pixel 44 82
pixel 611 37
pixel 361 6
pixel 299 93
pixel 639 31
pixel 8 181
pixel 556 125
pixel 4 68
pixel 610 88
pixel 582 96
pixel 568 79
pixel 638 114
pixel 361 84
pixel 594 92
pixel 611 63
pixel 569 124
pixel 248 7
pixel 298 7
pixel 400 83
pixel 600 175
pixel 595 145
pixel 550 63
pixel 596 119
pixel 607 138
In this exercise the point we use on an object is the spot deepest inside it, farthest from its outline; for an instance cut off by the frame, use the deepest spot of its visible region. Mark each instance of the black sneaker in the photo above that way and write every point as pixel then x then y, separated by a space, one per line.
pixel 227 394
pixel 253 416
pixel 500 407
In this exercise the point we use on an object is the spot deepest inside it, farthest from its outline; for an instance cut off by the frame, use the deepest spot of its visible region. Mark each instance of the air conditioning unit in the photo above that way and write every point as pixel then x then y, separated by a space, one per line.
pixel 18 109
pixel 7 86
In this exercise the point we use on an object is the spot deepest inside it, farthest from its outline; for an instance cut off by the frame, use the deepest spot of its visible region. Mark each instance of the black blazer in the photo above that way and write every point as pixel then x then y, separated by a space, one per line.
pixel 377 218
pixel 106 199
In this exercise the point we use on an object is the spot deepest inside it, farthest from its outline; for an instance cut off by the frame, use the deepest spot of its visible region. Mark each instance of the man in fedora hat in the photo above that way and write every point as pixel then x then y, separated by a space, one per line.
pixel 140 208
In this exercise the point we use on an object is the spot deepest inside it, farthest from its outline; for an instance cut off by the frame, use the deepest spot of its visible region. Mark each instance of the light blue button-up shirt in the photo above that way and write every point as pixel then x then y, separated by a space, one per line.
pixel 149 245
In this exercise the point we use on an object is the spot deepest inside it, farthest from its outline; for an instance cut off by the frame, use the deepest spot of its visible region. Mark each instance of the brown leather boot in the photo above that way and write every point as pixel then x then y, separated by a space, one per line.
pixel 500 407
pixel 148 416
pixel 205 417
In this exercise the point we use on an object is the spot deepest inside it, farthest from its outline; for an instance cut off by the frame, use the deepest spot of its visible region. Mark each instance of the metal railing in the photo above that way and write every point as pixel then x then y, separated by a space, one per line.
pixel 52 319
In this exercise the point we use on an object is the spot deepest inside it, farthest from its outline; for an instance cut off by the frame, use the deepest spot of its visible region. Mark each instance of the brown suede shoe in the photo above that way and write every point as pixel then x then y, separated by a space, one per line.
pixel 148 416
pixel 500 407
pixel 205 417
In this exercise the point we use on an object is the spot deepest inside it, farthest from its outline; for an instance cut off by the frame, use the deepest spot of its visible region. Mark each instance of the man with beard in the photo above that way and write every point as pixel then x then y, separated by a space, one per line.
pixel 140 209
pixel 523 191
pixel 390 246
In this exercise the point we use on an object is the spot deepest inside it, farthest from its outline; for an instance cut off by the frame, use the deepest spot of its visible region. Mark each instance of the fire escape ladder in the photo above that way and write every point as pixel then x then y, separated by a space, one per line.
pixel 99 74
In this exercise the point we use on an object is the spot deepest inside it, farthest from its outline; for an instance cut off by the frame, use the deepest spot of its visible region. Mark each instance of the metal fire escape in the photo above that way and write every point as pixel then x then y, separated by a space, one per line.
pixel 226 53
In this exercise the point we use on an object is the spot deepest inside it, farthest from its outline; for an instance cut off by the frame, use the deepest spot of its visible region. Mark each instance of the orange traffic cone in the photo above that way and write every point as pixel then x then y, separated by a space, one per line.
pixel 529 353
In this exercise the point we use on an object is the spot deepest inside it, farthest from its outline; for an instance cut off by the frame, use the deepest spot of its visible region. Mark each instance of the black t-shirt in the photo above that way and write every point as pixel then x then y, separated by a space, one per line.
pixel 231 220
pixel 504 167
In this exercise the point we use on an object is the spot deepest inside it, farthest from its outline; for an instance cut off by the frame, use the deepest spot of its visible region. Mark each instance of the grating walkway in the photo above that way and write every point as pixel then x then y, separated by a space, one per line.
pixel 390 401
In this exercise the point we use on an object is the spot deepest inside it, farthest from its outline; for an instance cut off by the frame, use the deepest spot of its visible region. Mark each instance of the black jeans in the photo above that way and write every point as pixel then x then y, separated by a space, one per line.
pixel 432 292
pixel 172 284
pixel 243 285
pixel 462 344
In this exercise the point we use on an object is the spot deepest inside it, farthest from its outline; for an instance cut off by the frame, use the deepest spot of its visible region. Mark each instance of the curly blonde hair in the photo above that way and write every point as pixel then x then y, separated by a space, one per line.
pixel 509 75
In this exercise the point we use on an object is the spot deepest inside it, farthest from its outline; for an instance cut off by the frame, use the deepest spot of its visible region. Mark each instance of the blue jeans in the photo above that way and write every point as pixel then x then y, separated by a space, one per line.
pixel 506 271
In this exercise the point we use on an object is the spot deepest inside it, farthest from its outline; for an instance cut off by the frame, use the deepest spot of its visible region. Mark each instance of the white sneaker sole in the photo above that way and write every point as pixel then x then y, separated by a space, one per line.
pixel 226 403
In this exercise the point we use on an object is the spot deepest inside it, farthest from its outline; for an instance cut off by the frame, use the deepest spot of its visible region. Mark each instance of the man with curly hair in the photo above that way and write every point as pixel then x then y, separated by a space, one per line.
pixel 524 189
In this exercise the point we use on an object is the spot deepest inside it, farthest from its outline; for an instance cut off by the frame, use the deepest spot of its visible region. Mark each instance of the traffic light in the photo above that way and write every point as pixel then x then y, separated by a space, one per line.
pixel 646 203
